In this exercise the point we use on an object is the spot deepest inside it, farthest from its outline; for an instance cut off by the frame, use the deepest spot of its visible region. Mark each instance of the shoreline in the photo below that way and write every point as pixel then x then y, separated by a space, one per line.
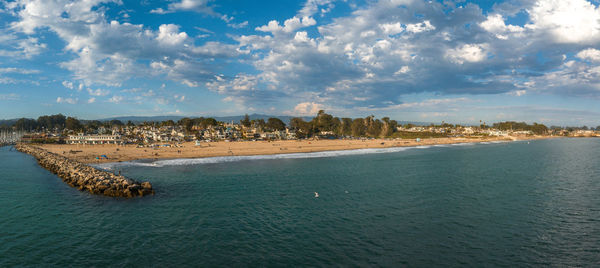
pixel 90 154
pixel 302 155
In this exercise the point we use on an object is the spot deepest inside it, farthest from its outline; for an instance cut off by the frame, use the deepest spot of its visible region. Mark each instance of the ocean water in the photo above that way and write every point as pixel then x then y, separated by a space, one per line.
pixel 498 204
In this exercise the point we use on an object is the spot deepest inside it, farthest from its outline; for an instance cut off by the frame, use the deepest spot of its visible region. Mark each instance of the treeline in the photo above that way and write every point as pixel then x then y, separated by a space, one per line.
pixel 59 122
pixel 326 124
pixel 522 126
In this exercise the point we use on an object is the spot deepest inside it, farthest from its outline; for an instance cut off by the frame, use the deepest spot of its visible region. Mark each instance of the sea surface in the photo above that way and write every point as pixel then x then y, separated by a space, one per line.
pixel 512 204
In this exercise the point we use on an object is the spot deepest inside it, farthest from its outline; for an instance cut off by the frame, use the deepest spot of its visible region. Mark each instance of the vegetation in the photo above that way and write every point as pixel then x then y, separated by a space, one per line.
pixel 414 135
pixel 522 126
pixel 322 125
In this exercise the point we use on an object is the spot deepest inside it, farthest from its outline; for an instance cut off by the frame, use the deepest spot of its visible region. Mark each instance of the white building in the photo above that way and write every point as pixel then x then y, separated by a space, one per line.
pixel 94 139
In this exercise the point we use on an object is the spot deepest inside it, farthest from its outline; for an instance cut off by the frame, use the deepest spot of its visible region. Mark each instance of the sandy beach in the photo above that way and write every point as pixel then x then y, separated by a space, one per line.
pixel 117 153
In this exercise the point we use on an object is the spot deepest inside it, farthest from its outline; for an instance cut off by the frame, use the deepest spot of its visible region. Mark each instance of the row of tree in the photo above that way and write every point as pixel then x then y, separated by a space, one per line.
pixel 522 126
pixel 321 124
pixel 326 124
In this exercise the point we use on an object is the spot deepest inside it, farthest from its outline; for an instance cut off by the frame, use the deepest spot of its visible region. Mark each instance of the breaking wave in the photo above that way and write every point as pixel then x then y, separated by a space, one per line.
pixel 225 159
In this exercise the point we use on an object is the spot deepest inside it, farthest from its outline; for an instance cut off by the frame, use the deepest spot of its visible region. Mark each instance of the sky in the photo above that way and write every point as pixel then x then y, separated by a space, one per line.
pixel 428 61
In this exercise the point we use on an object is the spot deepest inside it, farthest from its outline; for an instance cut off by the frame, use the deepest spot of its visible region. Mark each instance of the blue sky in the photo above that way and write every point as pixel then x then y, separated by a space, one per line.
pixel 433 61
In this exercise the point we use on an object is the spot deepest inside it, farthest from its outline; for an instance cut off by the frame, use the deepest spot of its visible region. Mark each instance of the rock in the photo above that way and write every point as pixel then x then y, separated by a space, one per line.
pixel 86 178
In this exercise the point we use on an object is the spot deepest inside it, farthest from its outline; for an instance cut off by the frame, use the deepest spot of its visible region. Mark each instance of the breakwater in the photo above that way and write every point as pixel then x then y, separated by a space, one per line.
pixel 86 178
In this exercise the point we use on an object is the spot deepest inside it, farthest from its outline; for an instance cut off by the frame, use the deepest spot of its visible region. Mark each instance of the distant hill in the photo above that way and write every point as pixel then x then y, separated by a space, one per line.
pixel 8 122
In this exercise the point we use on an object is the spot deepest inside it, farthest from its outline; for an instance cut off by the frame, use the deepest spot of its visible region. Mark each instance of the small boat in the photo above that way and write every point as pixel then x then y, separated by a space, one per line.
pixel 316 195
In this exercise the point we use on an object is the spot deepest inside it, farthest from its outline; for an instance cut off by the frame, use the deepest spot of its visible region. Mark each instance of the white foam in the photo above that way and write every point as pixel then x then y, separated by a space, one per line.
pixel 224 159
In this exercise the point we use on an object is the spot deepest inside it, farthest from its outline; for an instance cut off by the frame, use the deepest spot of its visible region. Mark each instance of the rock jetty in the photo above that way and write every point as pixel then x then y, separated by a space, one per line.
pixel 86 178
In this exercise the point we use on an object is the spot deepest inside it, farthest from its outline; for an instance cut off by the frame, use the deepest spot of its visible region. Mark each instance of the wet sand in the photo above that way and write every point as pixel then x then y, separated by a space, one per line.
pixel 116 153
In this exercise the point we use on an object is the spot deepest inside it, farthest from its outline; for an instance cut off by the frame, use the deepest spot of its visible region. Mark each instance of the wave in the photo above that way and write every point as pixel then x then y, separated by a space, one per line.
pixel 225 159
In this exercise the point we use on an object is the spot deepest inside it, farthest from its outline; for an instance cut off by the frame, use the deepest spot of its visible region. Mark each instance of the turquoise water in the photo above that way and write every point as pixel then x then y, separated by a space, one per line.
pixel 508 204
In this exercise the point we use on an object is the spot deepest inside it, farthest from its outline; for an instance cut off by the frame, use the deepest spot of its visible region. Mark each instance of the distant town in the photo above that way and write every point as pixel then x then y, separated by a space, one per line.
pixel 69 130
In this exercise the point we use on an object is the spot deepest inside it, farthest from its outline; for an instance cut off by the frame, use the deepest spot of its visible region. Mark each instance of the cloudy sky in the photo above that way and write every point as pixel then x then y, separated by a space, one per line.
pixel 457 61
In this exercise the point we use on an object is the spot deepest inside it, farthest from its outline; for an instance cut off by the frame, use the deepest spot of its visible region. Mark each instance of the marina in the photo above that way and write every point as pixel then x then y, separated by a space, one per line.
pixel 10 137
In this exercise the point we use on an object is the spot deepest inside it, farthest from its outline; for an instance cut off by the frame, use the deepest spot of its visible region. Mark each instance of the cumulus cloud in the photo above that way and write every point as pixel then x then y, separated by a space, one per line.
pixel 307 108
pixel 289 25
pixel 371 58
pixel 590 54
pixel 572 21
pixel 467 53
pixel 110 52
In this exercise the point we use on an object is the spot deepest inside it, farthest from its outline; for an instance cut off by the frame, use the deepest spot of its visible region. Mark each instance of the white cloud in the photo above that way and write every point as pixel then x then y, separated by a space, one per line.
pixel 18 70
pixel 110 52
pixel 68 84
pixel 238 25
pixel 307 108
pixel 98 92
pixel 91 100
pixel 590 54
pixel 567 21
pixel 200 6
pixel 116 99
pixel 420 27
pixel 495 24
pixel 66 100
pixel 168 34
pixel 289 25
pixel 467 53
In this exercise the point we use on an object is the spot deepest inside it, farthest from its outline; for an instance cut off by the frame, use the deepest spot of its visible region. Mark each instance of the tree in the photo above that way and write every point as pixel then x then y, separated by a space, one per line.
pixel 186 123
pixel 246 121
pixel 260 123
pixel 275 124
pixel 116 122
pixel 73 124
pixel 206 122
pixel 346 126
pixel 167 123
pixel 303 128
pixel 375 127
pixel 358 127
pixel 26 124
pixel 323 122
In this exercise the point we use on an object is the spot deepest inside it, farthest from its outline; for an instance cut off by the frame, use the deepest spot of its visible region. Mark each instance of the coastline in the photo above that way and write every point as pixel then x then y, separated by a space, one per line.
pixel 90 154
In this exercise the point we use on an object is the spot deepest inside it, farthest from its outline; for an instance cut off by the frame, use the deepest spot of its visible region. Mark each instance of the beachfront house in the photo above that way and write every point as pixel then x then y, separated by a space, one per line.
pixel 94 139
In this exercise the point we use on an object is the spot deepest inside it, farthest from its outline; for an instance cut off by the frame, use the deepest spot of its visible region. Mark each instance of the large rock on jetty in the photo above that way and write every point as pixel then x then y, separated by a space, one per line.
pixel 86 178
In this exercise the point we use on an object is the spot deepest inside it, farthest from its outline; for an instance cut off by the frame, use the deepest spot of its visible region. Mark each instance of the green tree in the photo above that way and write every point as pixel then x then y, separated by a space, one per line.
pixel 186 123
pixel 358 127
pixel 275 124
pixel 26 124
pixel 346 126
pixel 246 121
pixel 73 124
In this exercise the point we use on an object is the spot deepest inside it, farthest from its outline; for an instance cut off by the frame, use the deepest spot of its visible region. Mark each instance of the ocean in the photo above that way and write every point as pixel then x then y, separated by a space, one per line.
pixel 511 204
